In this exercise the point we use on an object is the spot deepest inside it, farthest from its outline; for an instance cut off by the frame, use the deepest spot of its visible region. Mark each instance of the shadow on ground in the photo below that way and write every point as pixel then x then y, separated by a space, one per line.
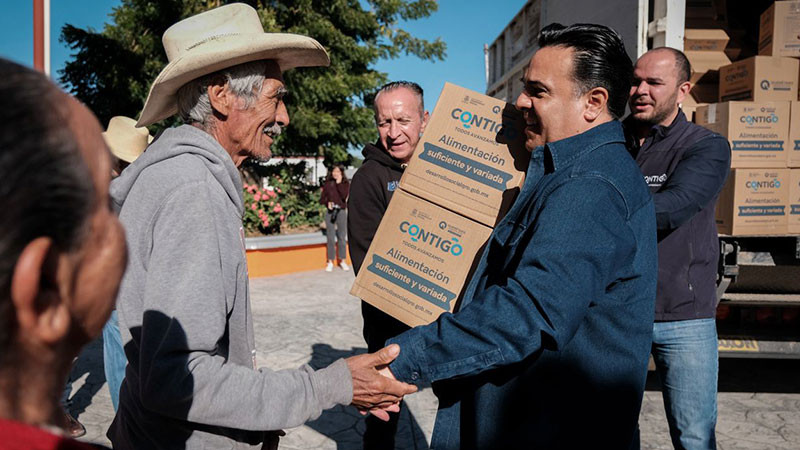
pixel 344 424
pixel 750 375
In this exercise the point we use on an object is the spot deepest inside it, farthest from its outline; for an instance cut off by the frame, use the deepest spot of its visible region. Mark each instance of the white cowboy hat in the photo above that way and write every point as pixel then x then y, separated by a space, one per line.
pixel 216 39
pixel 125 140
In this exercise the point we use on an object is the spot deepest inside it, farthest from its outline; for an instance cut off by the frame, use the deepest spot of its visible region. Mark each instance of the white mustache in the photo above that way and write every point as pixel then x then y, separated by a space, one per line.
pixel 274 130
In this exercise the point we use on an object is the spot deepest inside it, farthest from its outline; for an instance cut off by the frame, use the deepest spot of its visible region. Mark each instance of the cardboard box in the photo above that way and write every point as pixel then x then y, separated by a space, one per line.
pixel 700 95
pixel 419 261
pixel 689 106
pixel 705 93
pixel 794 202
pixel 705 40
pixel 706 65
pixel 779 31
pixel 793 143
pixel 759 79
pixel 472 157
pixel 754 202
pixel 757 132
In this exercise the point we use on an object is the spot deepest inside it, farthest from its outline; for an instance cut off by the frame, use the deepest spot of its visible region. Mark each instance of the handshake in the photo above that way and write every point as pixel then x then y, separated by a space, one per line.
pixel 375 389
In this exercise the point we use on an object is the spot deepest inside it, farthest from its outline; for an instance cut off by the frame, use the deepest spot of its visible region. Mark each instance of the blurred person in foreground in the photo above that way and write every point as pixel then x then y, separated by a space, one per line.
pixel 62 252
pixel 401 119
pixel 334 195
pixel 685 166
pixel 126 143
pixel 550 346
pixel 191 381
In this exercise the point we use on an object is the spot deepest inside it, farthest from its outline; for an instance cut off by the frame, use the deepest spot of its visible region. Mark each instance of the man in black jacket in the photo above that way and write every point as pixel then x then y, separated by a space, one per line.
pixel 401 118
pixel 685 167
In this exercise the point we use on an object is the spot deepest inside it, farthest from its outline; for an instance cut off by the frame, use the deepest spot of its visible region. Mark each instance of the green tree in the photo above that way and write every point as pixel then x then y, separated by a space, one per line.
pixel 329 107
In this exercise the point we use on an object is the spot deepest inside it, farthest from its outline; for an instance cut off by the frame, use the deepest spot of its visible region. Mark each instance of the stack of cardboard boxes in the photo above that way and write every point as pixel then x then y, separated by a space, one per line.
pixel 705 49
pixel 758 111
pixel 465 173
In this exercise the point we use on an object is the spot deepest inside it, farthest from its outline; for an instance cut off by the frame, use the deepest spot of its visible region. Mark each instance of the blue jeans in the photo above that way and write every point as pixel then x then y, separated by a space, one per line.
pixel 687 361
pixel 114 359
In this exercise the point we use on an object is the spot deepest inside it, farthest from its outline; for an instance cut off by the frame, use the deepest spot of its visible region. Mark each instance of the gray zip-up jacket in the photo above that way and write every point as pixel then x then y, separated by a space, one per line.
pixel 185 316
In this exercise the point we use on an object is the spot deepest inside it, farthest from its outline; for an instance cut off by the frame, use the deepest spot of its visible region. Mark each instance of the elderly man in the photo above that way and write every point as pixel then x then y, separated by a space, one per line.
pixel 401 118
pixel 62 252
pixel 685 166
pixel 184 305
pixel 551 344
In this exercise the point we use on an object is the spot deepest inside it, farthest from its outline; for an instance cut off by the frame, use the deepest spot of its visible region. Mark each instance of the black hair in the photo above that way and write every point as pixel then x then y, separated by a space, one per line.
pixel 682 65
pixel 413 87
pixel 600 60
pixel 46 188
pixel 329 177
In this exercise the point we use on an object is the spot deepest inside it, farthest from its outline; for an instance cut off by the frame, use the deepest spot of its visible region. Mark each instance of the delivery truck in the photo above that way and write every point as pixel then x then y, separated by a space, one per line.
pixel 759 271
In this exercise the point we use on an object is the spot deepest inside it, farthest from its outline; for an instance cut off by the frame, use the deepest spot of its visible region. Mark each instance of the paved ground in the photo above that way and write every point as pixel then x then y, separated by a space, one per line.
pixel 310 318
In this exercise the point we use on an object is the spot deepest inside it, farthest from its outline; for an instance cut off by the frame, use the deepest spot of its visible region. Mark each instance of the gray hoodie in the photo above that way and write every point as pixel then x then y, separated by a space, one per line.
pixel 184 311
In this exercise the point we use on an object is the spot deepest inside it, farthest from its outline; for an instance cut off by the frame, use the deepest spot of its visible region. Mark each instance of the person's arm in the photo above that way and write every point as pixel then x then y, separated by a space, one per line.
pixel 323 197
pixel 346 189
pixel 365 209
pixel 696 180
pixel 566 261
pixel 183 370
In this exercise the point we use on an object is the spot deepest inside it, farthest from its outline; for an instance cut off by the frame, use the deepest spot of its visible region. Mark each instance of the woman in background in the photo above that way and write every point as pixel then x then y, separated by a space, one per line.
pixel 334 196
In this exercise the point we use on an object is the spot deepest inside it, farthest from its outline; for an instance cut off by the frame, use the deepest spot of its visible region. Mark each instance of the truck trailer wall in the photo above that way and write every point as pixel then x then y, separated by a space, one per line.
pixel 621 15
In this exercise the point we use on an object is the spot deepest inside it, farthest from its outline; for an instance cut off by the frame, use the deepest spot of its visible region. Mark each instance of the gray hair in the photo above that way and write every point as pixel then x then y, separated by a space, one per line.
pixel 410 85
pixel 244 80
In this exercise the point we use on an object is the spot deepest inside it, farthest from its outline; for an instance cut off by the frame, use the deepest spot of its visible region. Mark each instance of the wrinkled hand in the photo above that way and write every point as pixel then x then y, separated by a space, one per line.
pixel 380 412
pixel 374 387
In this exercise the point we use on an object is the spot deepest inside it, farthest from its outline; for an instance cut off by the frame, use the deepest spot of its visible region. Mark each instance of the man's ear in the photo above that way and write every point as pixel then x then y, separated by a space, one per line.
pixel 596 103
pixel 683 91
pixel 222 99
pixel 425 118
pixel 42 313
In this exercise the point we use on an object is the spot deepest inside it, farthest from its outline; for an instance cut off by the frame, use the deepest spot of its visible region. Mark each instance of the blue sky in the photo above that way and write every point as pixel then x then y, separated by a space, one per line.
pixel 465 25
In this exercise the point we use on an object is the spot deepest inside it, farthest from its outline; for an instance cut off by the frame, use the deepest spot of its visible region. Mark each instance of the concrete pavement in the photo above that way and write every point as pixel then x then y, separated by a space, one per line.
pixel 310 318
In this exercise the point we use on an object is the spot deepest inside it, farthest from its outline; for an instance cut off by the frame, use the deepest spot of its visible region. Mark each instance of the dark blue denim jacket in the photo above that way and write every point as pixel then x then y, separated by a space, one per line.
pixel 550 346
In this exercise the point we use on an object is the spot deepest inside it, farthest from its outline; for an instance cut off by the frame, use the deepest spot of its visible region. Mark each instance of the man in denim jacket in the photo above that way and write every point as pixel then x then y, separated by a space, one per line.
pixel 550 346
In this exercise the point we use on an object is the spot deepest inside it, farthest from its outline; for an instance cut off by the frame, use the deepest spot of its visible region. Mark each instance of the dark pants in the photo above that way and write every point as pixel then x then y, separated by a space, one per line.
pixel 340 234
pixel 378 328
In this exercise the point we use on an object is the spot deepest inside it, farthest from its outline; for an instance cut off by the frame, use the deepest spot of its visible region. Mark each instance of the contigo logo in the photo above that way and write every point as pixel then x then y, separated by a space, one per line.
pixel 756 185
pixel 752 120
pixel 655 179
pixel 418 234
pixel 469 120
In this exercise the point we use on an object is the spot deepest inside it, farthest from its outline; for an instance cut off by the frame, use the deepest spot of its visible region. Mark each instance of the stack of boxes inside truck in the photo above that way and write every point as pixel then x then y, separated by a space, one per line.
pixel 757 109
pixel 465 173
pixel 706 44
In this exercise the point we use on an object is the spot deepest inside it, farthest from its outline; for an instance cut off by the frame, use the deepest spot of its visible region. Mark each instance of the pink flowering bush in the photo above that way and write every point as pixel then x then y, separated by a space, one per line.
pixel 263 212
pixel 289 205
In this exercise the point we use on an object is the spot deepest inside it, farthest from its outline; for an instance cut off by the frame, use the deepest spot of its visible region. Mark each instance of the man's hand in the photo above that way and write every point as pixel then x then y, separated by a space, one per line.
pixel 371 389
pixel 383 412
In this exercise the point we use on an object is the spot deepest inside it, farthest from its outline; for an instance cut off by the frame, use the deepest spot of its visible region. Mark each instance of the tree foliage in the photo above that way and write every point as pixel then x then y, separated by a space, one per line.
pixel 329 107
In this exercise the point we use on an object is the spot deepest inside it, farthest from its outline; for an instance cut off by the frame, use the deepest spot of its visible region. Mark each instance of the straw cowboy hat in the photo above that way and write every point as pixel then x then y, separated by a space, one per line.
pixel 216 39
pixel 126 141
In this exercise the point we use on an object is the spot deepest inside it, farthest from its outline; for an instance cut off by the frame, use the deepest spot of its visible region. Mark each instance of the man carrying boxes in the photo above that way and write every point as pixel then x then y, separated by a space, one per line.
pixel 554 325
pixel 685 167
pixel 401 118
